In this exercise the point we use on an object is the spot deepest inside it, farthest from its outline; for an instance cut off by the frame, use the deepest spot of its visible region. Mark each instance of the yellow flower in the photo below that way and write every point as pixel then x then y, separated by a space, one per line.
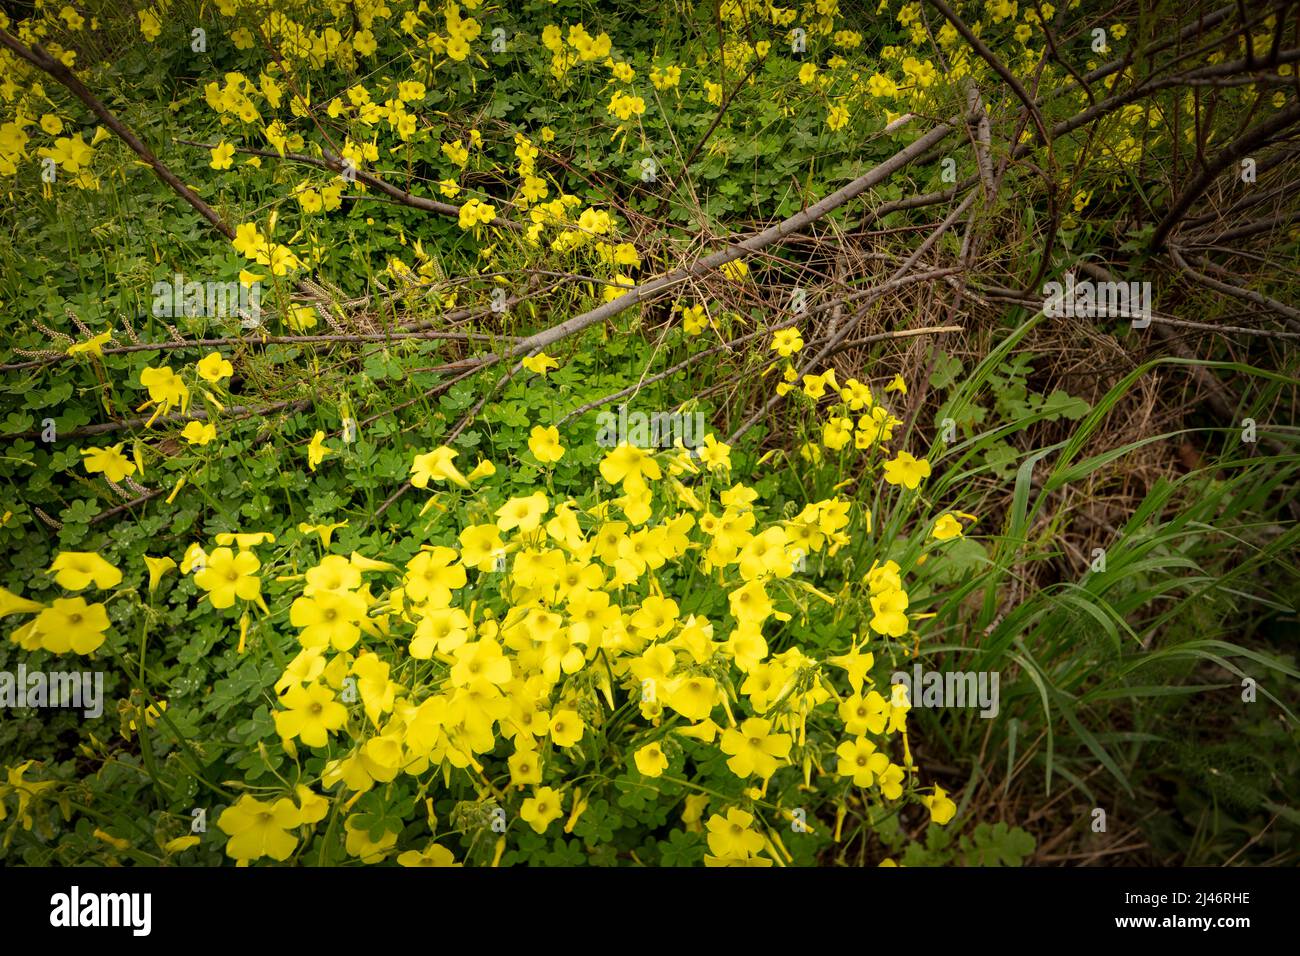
pixel 941 808
pixel 694 319
pixel 542 809
pixel 618 284
pixel 300 318
pixel 432 855
pixel 165 389
pixel 946 528
pixel 258 829
pixel 457 48
pixel 693 697
pixel 72 17
pixel 311 714
pixel 328 618
pixel 837 118
pixel 856 395
pixel 856 664
pixel 814 386
pixel 890 617
pixel 545 445
pixel 436 465
pixel 364 42
pixel 222 156
pixel 836 433
pixel 476 212
pixel 630 466
pixel 180 844
pixel 731 836
pixel 522 513
pixel 227 575
pixel 92 346
pixel 734 271
pixel 198 433
pixel 480 546
pixel 317 450
pixel 880 85
pixel 566 728
pixel 325 531
pixel 157 568
pixel 75 570
pixel 860 760
pixel 525 767
pixel 432 575
pixel 625 107
pixel 70 153
pixel 754 749
pixel 715 454
pixel 26 790
pixel 70 624
pixel 897 385
pixel 785 342
pixel 11 603
pixel 651 760
pixel 906 470
pixel 360 844
pixel 636 503
pixel 110 461
pixel 213 368
pixel 541 363
pixel 667 78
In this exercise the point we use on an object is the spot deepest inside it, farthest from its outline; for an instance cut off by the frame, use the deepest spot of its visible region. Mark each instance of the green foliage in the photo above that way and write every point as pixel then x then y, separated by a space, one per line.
pixel 1123 683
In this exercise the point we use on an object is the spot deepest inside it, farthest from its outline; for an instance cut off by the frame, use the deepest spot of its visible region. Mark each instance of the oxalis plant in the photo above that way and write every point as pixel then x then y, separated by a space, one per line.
pixel 576 433
pixel 603 655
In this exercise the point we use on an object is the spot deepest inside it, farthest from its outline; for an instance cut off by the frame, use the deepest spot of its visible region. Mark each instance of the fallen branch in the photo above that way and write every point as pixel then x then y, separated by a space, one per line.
pixel 199 414
pixel 843 334
pixel 1292 316
pixel 1239 148
pixel 37 56
pixel 754 243
pixel 113 512
pixel 998 67
pixel 251 342
pixel 333 163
